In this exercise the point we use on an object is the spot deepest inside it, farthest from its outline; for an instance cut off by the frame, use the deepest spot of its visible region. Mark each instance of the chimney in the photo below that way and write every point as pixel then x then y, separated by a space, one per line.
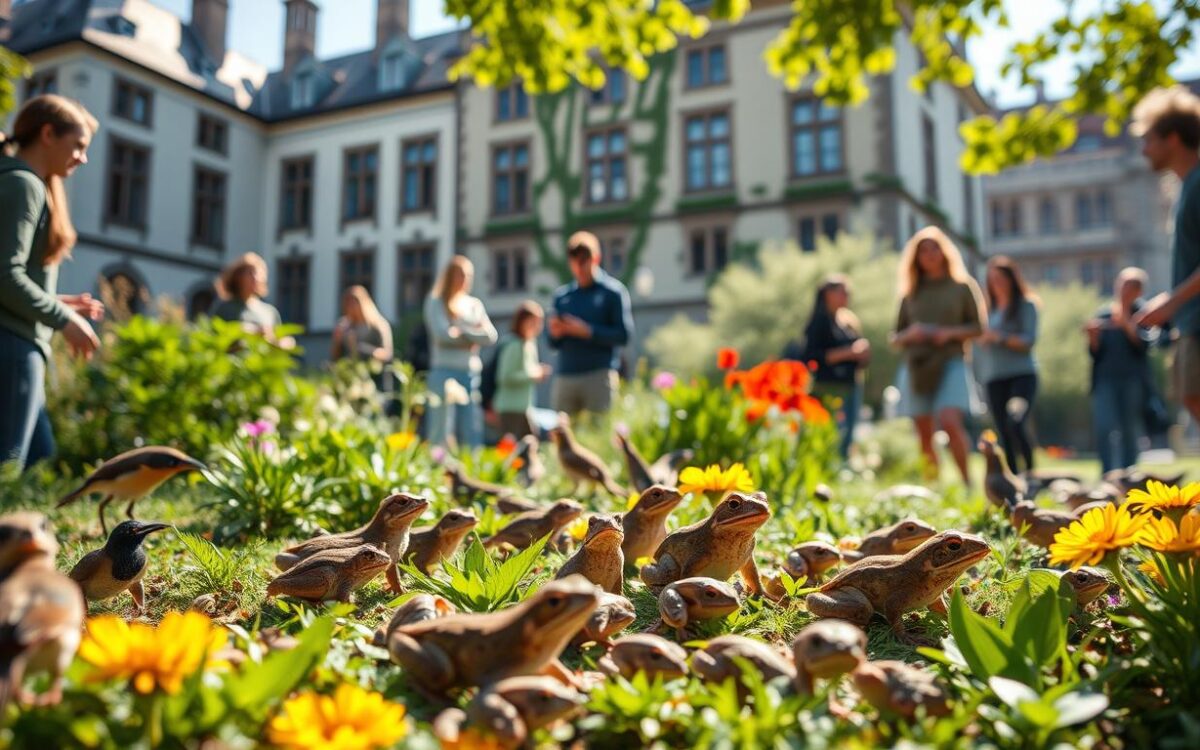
pixel 210 22
pixel 391 21
pixel 299 32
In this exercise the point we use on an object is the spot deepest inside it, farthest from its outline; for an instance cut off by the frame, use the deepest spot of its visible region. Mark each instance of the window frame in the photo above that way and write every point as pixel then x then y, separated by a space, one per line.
pixel 284 188
pixel 819 216
pixel 363 150
pixel 1043 228
pixel 345 281
pixel 516 255
pixel 705 52
pixel 281 284
pixel 222 126
pixel 135 88
pixel 414 248
pixel 493 173
pixel 194 238
pixel 429 205
pixel 709 231
pixel 122 218
pixel 815 127
pixel 708 113
pixel 603 97
pixel 607 160
pixel 511 92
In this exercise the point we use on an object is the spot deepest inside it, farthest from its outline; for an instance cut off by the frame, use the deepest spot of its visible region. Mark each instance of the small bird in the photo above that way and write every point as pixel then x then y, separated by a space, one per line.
pixel 22 533
pixel 133 475
pixel 531 469
pixel 579 463
pixel 1003 488
pixel 639 470
pixel 466 488
pixel 41 620
pixel 665 470
pixel 117 566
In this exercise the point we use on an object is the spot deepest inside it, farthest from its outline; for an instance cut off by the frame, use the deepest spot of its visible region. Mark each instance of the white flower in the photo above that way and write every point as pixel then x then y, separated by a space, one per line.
pixel 456 393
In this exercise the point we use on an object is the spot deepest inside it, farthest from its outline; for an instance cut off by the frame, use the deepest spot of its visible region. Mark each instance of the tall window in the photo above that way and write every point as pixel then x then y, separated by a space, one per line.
pixel 512 103
pixel 612 259
pixel 1103 208
pixel 391 72
pixel 357 267
pixel 607 178
pixel 361 171
pixel 304 90
pixel 968 186
pixel 416 277
pixel 708 250
pixel 1084 218
pixel 707 67
pixel 613 90
pixel 509 270
pixel 212 134
pixel 419 178
pixel 1006 217
pixel 295 204
pixel 828 224
pixel 291 289
pixel 128 184
pixel 510 179
pixel 1087 272
pixel 133 102
pixel 709 157
pixel 208 208
pixel 929 145
pixel 1048 216
pixel 816 138
pixel 42 82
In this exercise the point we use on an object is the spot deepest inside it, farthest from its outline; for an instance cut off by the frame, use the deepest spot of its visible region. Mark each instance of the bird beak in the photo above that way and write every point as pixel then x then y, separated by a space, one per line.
pixel 150 528
pixel 195 465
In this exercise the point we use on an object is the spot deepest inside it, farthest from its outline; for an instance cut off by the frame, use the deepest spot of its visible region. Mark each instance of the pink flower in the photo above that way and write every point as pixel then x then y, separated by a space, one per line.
pixel 663 380
pixel 258 428
pixel 437 453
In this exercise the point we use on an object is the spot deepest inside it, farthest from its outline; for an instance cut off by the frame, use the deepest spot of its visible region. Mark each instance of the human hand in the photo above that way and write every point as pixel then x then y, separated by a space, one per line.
pixel 990 336
pixel 80 337
pixel 555 324
pixel 573 326
pixel 1157 312
pixel 453 332
pixel 84 304
pixel 940 336
pixel 547 371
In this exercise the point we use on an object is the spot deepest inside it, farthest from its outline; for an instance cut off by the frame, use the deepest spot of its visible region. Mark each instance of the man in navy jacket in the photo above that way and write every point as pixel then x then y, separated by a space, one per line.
pixel 590 321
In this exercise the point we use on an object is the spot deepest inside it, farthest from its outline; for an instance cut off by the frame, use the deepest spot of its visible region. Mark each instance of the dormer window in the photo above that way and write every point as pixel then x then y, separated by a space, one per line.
pixel 303 90
pixel 123 26
pixel 391 72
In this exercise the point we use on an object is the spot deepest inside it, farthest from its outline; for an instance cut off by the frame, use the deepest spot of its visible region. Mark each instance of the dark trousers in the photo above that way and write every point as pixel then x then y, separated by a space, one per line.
pixel 25 433
pixel 1011 402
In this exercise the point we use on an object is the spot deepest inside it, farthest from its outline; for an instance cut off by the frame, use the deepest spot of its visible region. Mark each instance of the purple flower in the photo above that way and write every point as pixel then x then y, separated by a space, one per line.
pixel 437 453
pixel 258 428
pixel 663 380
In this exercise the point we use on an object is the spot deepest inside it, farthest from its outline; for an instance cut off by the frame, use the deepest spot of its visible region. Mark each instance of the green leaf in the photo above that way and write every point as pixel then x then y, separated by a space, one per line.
pixel 984 646
pixel 1076 708
pixel 1040 632
pixel 259 685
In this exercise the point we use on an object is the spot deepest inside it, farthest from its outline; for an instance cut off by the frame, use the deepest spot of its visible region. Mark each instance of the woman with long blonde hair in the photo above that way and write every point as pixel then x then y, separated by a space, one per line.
pixel 941 310
pixel 49 141
pixel 241 288
pixel 458 326
pixel 362 332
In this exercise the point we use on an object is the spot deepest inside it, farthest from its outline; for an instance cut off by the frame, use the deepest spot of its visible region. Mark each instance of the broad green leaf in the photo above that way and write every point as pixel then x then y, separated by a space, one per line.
pixel 258 685
pixel 1013 693
pixel 1040 632
pixel 1076 708
pixel 1038 713
pixel 984 646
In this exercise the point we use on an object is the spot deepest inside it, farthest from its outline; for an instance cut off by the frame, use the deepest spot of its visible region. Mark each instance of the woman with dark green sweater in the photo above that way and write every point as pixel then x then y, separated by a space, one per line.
pixel 49 140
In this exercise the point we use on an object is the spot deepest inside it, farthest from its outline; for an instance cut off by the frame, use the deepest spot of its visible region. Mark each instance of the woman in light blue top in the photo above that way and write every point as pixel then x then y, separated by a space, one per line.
pixel 458 325
pixel 1010 372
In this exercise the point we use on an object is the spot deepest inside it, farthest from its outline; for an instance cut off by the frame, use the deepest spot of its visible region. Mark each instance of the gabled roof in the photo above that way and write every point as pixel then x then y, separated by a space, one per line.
pixel 157 40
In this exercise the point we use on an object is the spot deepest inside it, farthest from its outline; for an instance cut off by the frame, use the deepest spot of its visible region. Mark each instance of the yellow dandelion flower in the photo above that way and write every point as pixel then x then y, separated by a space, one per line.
pixel 577 529
pixel 1162 535
pixel 350 718
pixel 151 658
pixel 1150 568
pixel 698 481
pixel 398 441
pixel 1159 496
pixel 1098 532
pixel 632 501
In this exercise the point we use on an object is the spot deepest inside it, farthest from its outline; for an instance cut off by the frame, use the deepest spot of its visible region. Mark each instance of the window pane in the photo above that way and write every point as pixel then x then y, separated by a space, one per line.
pixel 804 154
pixel 518 271
pixel 503 198
pixel 716 65
pixel 697 252
pixel 503 158
pixel 696 177
pixel 802 112
pixel 595 146
pixel 720 249
pixel 411 185
pixel 596 191
pixel 616 142
pixel 616 85
pixel 522 157
pixel 829 226
pixel 522 101
pixel 620 187
pixel 412 153
pixel 695 129
pixel 695 68
pixel 502 270
pixel 519 191
pixel 718 126
pixel 429 151
pixel 503 105
pixel 831 149
pixel 808 234
pixel 721 172
pixel 371 160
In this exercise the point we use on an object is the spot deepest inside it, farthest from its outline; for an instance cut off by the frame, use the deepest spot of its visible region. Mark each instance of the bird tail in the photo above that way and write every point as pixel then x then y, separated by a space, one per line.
pixel 615 489
pixel 73 496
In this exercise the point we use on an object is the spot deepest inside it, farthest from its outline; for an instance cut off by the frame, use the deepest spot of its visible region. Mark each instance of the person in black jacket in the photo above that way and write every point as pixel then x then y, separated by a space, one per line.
pixel 836 350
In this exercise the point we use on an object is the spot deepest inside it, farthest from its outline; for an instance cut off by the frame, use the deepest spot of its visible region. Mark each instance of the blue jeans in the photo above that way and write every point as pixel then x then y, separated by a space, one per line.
pixel 25 433
pixel 1117 420
pixel 846 414
pixel 463 421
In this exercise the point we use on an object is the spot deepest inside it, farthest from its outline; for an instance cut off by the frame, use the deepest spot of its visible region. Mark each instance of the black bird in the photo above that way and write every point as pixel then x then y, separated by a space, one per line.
pixel 117 566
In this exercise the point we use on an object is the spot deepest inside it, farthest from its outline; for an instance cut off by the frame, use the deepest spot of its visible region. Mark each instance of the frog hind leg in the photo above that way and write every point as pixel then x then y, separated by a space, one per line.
pixel 750 578
pixel 556 669
pixel 661 572
pixel 846 603
pixel 938 606
pixel 434 666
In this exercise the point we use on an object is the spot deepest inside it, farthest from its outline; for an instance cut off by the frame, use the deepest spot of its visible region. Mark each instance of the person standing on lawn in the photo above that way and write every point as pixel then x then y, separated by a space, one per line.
pixel 518 371
pixel 49 141
pixel 241 288
pixel 590 322
pixel 1168 120
pixel 1010 372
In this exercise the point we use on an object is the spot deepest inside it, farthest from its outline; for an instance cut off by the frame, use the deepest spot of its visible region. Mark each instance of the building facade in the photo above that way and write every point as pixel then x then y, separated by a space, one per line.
pixel 372 168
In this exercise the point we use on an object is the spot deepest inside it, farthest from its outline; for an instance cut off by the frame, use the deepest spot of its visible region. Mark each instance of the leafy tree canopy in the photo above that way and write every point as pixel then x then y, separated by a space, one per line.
pixel 1124 48
pixel 13 68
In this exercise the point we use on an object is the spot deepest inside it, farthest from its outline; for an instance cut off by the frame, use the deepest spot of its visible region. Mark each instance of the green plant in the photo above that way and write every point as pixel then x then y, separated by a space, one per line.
pixel 479 583
pixel 215 570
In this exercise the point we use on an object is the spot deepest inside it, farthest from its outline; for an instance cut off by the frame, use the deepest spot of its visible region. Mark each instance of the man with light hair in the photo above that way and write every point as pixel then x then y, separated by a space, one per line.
pixel 1168 121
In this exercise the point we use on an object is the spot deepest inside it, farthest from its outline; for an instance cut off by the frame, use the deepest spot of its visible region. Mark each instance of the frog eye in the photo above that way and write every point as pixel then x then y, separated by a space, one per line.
pixel 710 593
pixel 908 527
pixel 656 654
pixel 735 504
pixel 954 545
pixel 554 600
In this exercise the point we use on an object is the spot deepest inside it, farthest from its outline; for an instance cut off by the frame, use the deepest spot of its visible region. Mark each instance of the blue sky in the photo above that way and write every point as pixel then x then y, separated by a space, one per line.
pixel 256 30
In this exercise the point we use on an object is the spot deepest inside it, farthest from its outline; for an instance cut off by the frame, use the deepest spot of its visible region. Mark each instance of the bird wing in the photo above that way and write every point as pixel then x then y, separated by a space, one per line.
pixel 88 566
pixel 40 606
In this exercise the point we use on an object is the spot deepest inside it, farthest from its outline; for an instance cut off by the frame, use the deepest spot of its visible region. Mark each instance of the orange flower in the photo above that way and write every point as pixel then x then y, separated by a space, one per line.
pixel 756 410
pixel 506 446
pixel 812 411
pixel 727 358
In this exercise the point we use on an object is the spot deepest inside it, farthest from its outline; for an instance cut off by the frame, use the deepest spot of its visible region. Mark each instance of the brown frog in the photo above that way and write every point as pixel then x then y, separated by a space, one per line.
pixel 419 608
pixel 896 539
pixel 505 714
pixel 643 652
pixel 694 599
pixel 645 523
pixel 806 563
pixel 1087 583
pixel 899 688
pixel 471 650
pixel 387 530
pixel 1039 525
pixel 716 547
pixel 827 649
pixel 614 614
pixel 531 526
pixel 715 662
pixel 891 585
pixel 599 558
pixel 331 574
pixel 429 545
